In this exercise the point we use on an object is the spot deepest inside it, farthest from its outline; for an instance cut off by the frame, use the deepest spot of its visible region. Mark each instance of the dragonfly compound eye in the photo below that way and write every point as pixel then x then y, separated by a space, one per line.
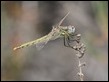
pixel 71 29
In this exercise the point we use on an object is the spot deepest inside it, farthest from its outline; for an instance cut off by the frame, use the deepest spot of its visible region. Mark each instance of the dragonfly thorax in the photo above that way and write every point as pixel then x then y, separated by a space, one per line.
pixel 69 29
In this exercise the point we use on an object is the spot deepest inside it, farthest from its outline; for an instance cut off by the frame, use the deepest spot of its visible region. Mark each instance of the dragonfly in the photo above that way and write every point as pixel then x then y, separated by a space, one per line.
pixel 57 31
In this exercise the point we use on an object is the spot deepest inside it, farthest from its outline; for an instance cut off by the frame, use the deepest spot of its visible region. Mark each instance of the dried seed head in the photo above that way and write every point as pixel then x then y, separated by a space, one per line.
pixel 80 74
pixel 82 64
pixel 78 35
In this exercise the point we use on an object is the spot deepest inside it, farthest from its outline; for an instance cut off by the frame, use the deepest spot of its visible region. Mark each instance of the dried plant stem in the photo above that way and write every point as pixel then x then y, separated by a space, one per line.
pixel 80 48
pixel 81 75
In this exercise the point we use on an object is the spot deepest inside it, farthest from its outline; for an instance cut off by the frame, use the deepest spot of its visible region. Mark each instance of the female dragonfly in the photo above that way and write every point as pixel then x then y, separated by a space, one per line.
pixel 56 32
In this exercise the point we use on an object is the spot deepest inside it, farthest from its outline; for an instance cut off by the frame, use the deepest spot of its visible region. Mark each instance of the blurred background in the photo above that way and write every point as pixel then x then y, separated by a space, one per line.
pixel 24 21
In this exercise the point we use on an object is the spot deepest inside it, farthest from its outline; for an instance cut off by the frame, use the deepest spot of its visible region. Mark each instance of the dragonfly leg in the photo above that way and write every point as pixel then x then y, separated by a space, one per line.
pixel 68 42
pixel 71 38
pixel 68 39
pixel 65 39
pixel 73 34
pixel 74 37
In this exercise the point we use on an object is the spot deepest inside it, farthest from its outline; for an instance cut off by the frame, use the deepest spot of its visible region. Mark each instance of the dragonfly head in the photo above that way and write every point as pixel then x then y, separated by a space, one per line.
pixel 71 29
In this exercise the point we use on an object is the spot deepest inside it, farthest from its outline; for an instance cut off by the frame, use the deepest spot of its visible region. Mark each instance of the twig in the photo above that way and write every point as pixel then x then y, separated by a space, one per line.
pixel 80 48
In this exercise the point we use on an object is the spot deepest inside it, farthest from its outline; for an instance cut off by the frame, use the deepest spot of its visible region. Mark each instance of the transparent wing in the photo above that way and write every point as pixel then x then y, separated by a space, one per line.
pixel 63 19
pixel 42 43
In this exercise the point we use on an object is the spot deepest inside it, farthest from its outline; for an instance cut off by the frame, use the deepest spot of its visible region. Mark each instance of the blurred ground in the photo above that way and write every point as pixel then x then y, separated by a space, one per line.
pixel 23 21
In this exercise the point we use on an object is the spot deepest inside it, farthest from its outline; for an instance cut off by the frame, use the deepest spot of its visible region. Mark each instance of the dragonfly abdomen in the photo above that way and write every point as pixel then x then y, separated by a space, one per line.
pixel 30 43
pixel 24 45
